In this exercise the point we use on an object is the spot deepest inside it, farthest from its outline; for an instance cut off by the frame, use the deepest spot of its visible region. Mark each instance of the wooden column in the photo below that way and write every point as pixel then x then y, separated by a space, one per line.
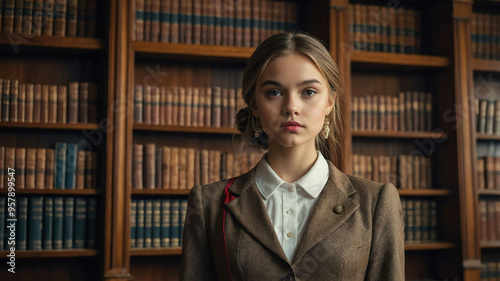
pixel 116 251
pixel 462 13
pixel 341 49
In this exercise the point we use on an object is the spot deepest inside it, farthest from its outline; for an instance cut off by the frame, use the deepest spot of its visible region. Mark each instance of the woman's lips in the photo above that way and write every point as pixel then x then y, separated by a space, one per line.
pixel 291 126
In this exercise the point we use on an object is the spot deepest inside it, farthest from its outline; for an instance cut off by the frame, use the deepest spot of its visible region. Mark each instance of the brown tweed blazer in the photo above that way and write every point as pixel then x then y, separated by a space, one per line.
pixel 355 232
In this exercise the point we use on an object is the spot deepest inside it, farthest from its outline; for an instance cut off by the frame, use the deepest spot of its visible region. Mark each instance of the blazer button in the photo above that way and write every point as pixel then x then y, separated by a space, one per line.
pixel 339 209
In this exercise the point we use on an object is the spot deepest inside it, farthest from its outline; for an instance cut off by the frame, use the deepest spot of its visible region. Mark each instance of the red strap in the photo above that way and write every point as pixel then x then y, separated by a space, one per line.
pixel 228 198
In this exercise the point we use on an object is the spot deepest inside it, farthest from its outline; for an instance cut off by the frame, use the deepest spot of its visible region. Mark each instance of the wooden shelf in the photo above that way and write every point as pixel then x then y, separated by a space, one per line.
pixel 156 251
pixel 489 244
pixel 77 126
pixel 54 191
pixel 480 136
pixel 184 129
pixel 12 39
pixel 160 191
pixel 489 192
pixel 393 59
pixel 486 65
pixel 51 253
pixel 424 192
pixel 398 134
pixel 207 51
pixel 418 246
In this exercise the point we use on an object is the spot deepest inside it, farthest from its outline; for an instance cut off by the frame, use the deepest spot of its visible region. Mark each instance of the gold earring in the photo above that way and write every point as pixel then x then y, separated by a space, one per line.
pixel 257 128
pixel 326 128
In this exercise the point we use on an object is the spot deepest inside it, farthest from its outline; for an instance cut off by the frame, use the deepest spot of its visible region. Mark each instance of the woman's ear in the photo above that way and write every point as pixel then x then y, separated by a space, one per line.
pixel 255 112
pixel 331 103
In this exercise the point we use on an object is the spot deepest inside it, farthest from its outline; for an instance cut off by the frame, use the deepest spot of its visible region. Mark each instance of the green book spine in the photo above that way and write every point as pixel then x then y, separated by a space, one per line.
pixel 148 222
pixel 174 223
pixel 133 222
pixel 22 220
pixel 35 214
pixel 165 222
pixel 48 216
pixel 156 233
pixel 140 224
pixel 80 223
pixel 71 160
pixel 92 223
pixel 60 166
pixel 57 235
pixel 68 217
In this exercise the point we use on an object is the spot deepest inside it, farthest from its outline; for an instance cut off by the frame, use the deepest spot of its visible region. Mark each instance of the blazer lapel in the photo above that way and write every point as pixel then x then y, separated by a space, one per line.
pixel 324 220
pixel 251 213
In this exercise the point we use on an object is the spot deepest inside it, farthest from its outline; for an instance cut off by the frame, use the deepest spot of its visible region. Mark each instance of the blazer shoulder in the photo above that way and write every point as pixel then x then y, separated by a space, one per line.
pixel 211 191
pixel 368 187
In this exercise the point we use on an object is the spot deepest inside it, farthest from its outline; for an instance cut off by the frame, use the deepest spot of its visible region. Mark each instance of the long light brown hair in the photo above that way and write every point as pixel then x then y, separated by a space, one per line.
pixel 283 44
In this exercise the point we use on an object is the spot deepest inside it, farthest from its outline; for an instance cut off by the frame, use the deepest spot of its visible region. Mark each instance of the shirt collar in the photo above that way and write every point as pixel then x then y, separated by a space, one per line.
pixel 312 182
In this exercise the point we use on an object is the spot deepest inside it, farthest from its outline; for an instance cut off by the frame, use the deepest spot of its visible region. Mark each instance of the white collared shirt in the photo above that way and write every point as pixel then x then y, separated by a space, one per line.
pixel 289 204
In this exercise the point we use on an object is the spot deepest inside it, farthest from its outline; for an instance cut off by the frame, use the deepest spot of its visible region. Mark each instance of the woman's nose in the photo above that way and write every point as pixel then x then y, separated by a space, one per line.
pixel 291 106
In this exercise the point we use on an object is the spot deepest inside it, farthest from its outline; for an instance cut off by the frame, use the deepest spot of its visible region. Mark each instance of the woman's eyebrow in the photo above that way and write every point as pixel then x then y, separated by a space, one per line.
pixel 271 82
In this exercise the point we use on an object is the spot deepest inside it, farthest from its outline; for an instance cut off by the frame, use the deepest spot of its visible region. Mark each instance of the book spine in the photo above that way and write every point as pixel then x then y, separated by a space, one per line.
pixel 165 222
pixel 37 17
pixel 68 220
pixel 80 221
pixel 174 22
pixel 137 166
pixel 138 104
pixel 165 20
pixel 22 223
pixel 48 17
pixel 182 218
pixel 73 102
pixel 60 18
pixel 156 228
pixel 148 222
pixel 60 165
pixel 166 158
pixel 44 108
pixel 149 169
pixel 133 222
pixel 8 16
pixel 80 170
pixel 30 168
pixel 20 167
pixel 53 104
pixel 182 167
pixel 14 92
pixel 140 223
pixel 34 105
pixel 175 223
pixel 158 168
pixel 91 237
pixel 48 217
pixel 155 20
pixel 247 23
pixel 27 20
pixel 181 105
pixel 174 168
pixel 49 168
pixel 216 107
pixel 71 161
pixel 21 103
pixel 18 16
pixel 35 214
pixel 90 27
pixel 71 18
pixel 139 19
pixel 62 97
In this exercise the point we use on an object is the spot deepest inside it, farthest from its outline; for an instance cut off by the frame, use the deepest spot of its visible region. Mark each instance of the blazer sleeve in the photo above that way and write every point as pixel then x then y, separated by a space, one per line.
pixel 197 261
pixel 387 261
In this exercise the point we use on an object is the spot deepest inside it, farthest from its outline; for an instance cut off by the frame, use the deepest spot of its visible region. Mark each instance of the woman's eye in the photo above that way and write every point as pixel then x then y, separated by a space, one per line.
pixel 274 93
pixel 309 92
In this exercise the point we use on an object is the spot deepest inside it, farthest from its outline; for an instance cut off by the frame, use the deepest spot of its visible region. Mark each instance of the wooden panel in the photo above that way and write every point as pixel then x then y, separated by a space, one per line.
pixel 381 59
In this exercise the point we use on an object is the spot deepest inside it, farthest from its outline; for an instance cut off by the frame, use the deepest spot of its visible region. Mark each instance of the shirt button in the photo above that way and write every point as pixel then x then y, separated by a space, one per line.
pixel 288 211
pixel 289 234
pixel 290 189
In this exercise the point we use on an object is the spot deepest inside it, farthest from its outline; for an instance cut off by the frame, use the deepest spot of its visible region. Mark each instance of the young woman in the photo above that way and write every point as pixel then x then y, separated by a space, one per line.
pixel 294 216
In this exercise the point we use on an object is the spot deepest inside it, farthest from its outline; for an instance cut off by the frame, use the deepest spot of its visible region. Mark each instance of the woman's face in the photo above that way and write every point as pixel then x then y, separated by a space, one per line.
pixel 292 89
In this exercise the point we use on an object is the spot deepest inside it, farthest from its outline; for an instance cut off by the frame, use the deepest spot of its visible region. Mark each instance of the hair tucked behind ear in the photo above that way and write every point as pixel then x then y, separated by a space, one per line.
pixel 283 44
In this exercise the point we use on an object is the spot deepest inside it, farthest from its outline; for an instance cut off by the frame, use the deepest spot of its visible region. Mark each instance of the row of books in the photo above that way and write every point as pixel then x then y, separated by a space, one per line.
pixel 420 219
pixel 490 271
pixel 62 167
pixel 488 169
pixel 69 18
pixel 384 29
pixel 187 106
pixel 49 223
pixel 489 220
pixel 156 223
pixel 213 22
pixel 37 103
pixel 485 36
pixel 182 168
pixel 409 111
pixel 487 116
pixel 404 171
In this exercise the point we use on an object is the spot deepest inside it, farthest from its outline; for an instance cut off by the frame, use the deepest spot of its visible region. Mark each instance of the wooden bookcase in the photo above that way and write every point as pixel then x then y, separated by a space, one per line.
pixel 484 75
pixel 444 67
pixel 56 60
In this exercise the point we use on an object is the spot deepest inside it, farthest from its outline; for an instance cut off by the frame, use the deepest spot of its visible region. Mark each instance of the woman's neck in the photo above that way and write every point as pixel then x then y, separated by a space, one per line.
pixel 291 163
